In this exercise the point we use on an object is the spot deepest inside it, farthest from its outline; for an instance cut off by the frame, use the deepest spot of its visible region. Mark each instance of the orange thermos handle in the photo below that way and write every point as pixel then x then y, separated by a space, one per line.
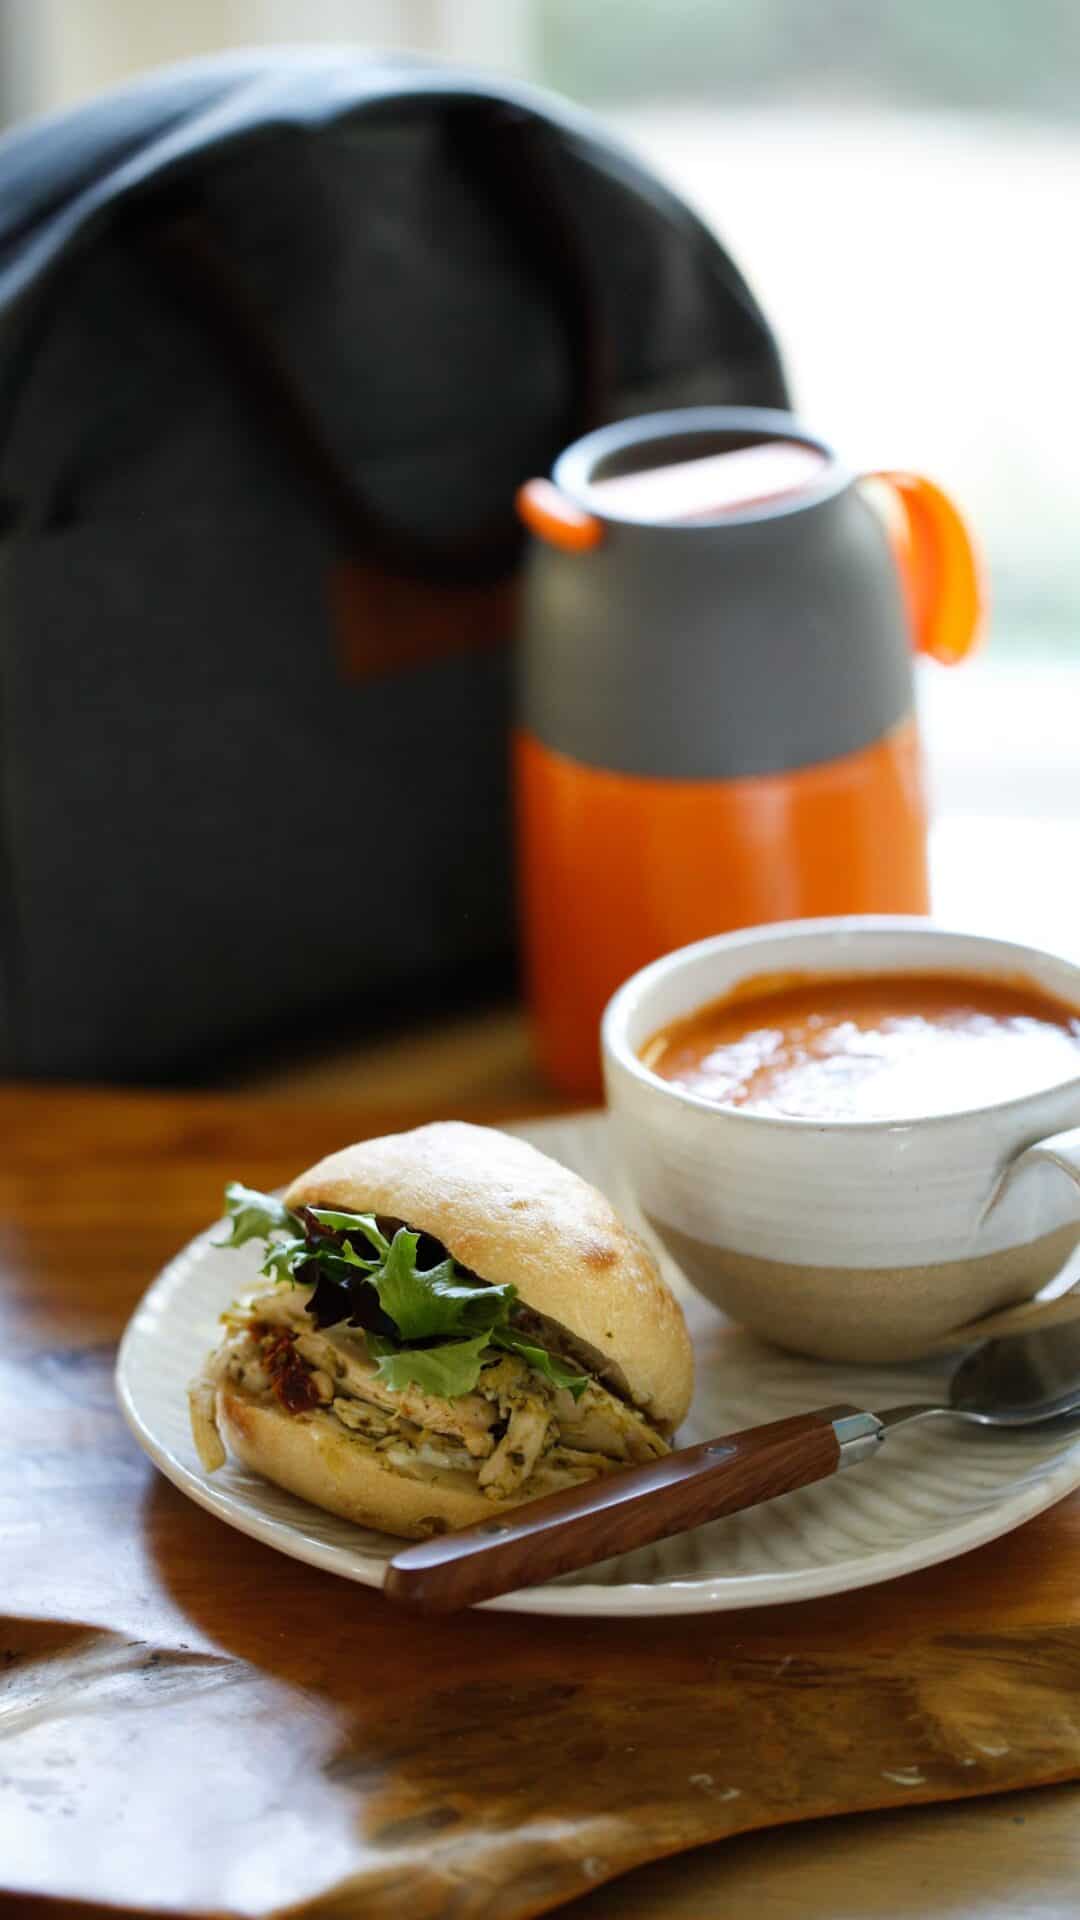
pixel 938 566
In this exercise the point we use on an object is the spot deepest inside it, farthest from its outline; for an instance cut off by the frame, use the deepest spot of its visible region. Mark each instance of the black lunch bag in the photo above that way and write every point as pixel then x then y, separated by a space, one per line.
pixel 280 334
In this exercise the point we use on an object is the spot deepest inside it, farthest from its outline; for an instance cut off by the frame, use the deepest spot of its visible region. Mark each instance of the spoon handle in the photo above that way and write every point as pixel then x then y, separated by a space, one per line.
pixel 620 1511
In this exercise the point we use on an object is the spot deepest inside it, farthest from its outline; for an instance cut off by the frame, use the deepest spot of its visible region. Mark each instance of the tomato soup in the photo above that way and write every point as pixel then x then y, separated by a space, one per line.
pixel 870 1046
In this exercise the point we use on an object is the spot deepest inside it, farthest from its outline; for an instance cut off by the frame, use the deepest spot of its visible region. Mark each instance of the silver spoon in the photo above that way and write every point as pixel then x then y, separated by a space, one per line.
pixel 1018 1382
pixel 1025 1381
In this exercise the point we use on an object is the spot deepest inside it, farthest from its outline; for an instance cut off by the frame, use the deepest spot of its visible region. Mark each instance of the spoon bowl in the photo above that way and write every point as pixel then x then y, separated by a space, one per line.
pixel 1020 1382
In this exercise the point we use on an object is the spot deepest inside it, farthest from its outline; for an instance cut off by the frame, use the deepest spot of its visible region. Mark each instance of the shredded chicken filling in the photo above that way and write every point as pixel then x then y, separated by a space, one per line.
pixel 514 1428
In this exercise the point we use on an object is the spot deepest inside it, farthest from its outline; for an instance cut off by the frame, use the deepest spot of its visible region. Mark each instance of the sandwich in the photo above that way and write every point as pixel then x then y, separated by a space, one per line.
pixel 446 1323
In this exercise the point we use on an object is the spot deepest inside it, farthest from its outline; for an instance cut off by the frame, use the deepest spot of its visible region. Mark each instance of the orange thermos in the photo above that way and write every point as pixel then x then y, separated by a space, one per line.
pixel 716 719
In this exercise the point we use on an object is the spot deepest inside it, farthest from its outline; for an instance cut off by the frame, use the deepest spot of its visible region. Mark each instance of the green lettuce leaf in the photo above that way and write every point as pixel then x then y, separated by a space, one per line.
pixel 445 1372
pixel 541 1361
pixel 283 1257
pixel 254 1216
pixel 353 1223
pixel 423 1303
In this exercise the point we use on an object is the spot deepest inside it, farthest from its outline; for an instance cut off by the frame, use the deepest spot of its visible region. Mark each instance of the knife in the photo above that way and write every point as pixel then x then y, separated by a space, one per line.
pixel 631 1508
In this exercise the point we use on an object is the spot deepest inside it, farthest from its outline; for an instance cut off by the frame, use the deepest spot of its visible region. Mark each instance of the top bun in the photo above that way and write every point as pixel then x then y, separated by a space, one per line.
pixel 509 1213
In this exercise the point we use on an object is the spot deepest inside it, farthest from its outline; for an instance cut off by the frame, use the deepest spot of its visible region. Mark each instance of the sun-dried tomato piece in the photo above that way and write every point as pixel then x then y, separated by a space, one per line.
pixel 290 1376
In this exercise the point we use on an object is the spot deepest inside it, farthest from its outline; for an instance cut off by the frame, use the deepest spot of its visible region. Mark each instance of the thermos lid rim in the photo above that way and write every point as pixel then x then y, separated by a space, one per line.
pixel 576 465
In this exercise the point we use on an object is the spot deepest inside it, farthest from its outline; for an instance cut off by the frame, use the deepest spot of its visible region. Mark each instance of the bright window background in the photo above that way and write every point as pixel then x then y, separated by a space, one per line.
pixel 900 182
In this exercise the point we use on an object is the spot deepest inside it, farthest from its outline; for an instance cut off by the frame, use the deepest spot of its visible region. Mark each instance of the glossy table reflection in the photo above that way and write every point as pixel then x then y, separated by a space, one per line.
pixel 193 1723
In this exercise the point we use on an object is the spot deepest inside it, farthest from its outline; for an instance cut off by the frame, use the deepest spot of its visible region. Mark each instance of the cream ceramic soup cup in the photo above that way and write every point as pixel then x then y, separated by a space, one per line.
pixel 850 1240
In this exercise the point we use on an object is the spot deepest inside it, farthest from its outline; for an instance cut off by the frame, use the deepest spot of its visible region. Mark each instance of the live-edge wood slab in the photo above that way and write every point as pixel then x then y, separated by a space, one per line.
pixel 191 1723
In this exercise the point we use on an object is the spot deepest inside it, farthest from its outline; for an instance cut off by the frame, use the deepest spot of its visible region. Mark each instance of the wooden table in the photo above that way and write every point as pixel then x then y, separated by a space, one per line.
pixel 130 1612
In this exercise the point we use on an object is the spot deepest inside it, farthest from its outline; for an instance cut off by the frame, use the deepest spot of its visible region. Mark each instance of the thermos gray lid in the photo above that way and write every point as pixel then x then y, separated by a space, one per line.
pixel 769 638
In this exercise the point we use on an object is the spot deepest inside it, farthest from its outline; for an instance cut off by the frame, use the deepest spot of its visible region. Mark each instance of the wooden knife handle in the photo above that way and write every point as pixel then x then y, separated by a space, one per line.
pixel 616 1513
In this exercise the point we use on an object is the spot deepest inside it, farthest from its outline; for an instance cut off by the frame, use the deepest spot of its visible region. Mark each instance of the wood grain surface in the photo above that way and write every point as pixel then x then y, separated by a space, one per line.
pixel 193 1724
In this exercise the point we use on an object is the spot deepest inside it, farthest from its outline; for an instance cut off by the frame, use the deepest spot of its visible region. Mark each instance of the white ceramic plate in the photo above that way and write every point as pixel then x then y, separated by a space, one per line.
pixel 933 1492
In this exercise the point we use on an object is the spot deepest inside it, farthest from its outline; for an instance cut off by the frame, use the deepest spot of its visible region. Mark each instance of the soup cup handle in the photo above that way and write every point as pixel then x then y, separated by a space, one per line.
pixel 1060 1150
pixel 1054 1305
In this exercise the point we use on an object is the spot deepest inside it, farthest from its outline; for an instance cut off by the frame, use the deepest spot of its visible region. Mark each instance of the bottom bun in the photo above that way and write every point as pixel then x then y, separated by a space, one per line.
pixel 311 1454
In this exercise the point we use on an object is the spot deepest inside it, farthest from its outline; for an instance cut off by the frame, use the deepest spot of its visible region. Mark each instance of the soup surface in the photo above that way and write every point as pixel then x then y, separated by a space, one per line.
pixel 870 1046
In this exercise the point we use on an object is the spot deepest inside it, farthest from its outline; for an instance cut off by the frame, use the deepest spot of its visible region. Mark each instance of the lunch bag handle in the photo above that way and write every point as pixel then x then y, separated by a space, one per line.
pixel 508 155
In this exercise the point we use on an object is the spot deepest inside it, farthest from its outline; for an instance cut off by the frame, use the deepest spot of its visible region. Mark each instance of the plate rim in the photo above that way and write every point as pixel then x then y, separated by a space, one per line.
pixel 709 1594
